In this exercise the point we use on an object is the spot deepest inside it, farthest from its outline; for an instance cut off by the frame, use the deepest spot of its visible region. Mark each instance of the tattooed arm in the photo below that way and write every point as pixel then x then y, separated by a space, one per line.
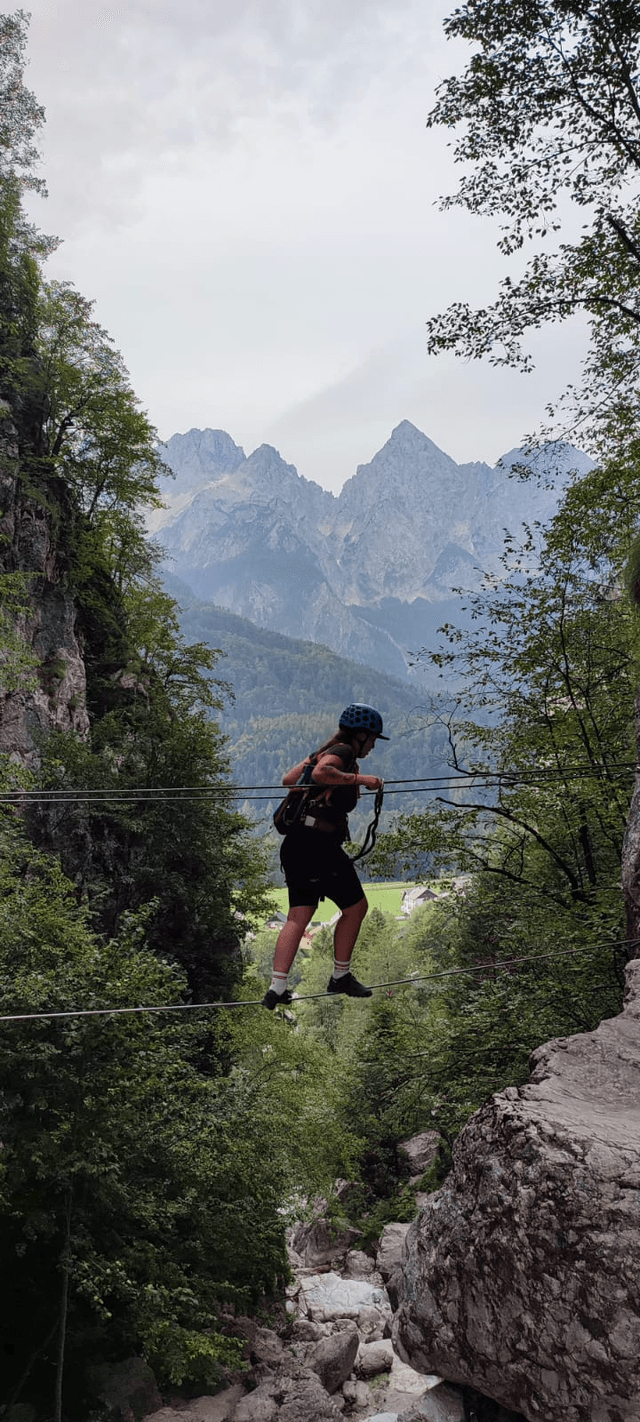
pixel 329 772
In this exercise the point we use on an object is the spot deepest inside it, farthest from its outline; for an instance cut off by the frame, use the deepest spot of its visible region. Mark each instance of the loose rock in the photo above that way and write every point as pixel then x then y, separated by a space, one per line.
pixel 374 1358
pixel 333 1358
pixel 259 1406
pixel 382 1417
pixel 266 1347
pixel 357 1394
pixel 306 1331
pixel 420 1151
pixel 441 1404
pixel 218 1408
pixel 127 1389
pixel 406 1380
pixel 358 1265
pixel 318 1243
pixel 296 1397
pixel 391 1248
pixel 374 1323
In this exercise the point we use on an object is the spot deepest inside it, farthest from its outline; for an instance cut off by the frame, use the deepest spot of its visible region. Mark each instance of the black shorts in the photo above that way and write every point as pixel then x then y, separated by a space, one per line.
pixel 316 867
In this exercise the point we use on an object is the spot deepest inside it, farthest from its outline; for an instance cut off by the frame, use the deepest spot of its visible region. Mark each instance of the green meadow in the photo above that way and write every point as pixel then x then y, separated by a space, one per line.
pixel 387 897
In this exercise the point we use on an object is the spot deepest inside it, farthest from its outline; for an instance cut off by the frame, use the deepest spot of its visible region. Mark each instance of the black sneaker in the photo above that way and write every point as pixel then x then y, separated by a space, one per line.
pixel 273 999
pixel 350 985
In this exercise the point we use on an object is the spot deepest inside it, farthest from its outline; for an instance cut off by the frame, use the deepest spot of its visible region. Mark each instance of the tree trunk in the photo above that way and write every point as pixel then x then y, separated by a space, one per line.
pixel 631 862
pixel 65 1266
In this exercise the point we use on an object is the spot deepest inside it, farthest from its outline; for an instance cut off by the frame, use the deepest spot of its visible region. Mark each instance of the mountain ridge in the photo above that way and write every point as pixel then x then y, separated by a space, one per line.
pixel 251 534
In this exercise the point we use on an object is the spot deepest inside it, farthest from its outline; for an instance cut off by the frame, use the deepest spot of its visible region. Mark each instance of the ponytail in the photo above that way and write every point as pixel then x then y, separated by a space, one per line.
pixel 341 738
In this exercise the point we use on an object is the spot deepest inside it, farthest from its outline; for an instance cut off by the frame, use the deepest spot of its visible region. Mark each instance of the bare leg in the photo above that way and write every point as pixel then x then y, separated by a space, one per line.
pixel 290 935
pixel 347 930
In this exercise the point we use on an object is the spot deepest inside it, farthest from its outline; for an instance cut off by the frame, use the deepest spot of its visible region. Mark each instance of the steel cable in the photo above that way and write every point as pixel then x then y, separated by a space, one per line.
pixel 414 980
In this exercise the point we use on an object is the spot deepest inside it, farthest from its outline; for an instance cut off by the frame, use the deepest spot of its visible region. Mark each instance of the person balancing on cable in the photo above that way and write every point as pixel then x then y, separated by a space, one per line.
pixel 313 819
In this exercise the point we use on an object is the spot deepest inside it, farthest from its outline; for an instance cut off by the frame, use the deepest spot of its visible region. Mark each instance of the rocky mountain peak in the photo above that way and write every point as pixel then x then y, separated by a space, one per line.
pixel 406 438
pixel 407 464
pixel 263 474
pixel 411 525
pixel 201 454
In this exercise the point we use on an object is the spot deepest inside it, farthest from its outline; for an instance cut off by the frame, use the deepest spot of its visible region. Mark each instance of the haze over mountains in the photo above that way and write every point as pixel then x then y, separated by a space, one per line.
pixel 369 573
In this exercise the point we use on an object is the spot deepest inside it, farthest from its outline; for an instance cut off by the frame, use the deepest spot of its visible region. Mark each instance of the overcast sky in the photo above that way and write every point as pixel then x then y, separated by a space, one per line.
pixel 248 190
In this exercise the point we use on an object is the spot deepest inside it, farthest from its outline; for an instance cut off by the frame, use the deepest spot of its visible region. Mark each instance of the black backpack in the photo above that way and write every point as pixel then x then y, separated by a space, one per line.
pixel 291 809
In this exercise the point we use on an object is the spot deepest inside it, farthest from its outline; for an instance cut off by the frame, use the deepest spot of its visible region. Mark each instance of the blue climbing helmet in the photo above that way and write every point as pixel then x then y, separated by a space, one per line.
pixel 359 717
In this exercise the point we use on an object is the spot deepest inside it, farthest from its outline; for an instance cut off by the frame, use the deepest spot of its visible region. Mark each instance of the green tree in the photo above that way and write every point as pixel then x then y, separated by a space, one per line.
pixel 137 1194
pixel 119 1178
pixel 542 742
pixel 546 719
pixel 17 659
pixel 547 113
pixel 82 460
pixel 188 851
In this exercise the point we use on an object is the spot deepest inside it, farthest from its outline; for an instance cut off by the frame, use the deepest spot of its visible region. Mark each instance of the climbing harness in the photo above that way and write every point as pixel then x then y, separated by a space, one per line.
pixel 372 827
pixel 289 811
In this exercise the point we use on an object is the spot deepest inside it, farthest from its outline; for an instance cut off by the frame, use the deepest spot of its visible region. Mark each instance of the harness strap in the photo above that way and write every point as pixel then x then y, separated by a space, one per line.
pixel 372 828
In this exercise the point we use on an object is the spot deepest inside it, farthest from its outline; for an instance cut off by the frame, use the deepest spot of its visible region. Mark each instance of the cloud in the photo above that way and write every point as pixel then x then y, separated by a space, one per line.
pixel 132 88
pixel 472 410
pixel 248 190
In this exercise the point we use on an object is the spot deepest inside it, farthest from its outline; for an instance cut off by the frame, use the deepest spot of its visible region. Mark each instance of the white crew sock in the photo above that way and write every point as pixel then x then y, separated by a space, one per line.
pixel 340 970
pixel 279 983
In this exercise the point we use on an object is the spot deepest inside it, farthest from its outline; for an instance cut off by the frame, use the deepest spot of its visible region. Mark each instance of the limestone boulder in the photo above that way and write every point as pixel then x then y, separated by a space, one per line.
pixel 441 1404
pixel 390 1249
pixel 420 1151
pixel 405 1386
pixel 127 1389
pixel 382 1417
pixel 522 1274
pixel 375 1322
pixel 318 1243
pixel 374 1358
pixel 328 1296
pixel 266 1348
pixel 219 1407
pixel 294 1396
pixel 258 1406
pixel 303 1330
pixel 359 1265
pixel 333 1358
pixel 392 1287
pixel 356 1394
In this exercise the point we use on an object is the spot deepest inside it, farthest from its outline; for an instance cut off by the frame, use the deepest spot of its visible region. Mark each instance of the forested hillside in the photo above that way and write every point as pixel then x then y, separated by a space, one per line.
pixel 287 695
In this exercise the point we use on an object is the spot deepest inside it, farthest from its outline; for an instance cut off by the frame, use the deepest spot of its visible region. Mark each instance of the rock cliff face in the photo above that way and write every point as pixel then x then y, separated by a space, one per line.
pixel 359 572
pixel 631 859
pixel 522 1275
pixel 52 697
